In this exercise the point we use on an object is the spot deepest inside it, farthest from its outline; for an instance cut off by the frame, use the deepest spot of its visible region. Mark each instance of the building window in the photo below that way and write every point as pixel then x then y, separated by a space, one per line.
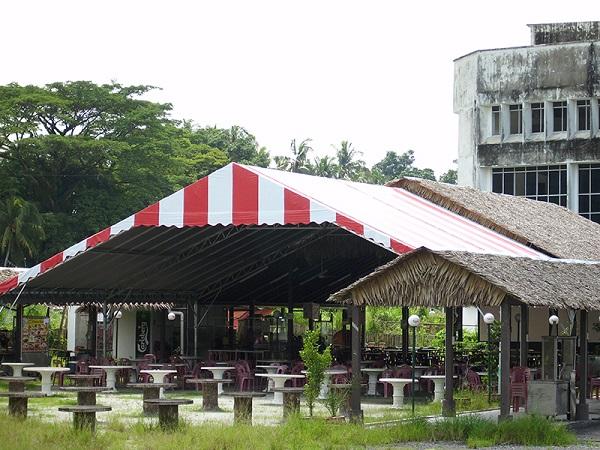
pixel 589 191
pixel 495 120
pixel 584 116
pixel 537 117
pixel 516 119
pixel 559 110
pixel 543 183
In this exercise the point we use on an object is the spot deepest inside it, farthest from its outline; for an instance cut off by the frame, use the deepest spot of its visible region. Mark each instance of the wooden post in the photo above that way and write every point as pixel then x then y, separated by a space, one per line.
pixel 290 321
pixel 168 417
pixel 104 329
pixel 459 323
pixel 19 334
pixel 93 324
pixel 162 317
pixel 356 414
pixel 505 360
pixel 405 336
pixel 448 406
pixel 582 410
pixel 523 333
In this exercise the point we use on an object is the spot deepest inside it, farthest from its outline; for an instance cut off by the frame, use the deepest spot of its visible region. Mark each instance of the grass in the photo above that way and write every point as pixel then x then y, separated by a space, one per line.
pixel 298 433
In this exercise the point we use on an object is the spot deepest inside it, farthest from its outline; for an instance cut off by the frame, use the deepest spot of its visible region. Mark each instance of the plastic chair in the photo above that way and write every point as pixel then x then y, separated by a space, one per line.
pixel 474 381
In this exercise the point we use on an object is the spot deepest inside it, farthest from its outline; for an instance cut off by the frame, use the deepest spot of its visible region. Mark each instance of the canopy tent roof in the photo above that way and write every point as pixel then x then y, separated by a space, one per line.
pixel 425 277
pixel 543 225
pixel 242 226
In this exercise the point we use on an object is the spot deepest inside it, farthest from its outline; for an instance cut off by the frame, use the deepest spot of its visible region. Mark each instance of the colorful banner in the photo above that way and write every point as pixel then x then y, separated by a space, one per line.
pixel 35 334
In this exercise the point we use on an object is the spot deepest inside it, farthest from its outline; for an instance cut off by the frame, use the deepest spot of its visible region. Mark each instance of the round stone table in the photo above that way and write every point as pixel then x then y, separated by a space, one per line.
pixel 279 380
pixel 218 373
pixel 111 374
pixel 17 367
pixel 46 374
pixel 372 372
pixel 398 386
pixel 438 381
pixel 269 369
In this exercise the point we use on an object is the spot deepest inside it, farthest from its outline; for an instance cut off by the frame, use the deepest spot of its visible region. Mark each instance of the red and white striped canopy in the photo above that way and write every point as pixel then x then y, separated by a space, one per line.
pixel 244 195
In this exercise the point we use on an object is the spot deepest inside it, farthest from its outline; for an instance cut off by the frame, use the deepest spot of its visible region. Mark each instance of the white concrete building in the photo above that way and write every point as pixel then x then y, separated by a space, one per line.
pixel 529 117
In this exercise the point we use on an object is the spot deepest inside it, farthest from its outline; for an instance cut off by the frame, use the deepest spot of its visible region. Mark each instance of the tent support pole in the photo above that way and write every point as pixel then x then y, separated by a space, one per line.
pixel 448 406
pixel 104 327
pixel 582 411
pixel 405 337
pixel 290 321
pixel 19 334
pixel 93 329
pixel 505 360
pixel 356 414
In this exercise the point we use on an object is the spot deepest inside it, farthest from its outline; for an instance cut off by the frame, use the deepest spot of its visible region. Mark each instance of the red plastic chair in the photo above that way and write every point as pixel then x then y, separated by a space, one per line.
pixel 519 377
pixel 474 381
pixel 297 369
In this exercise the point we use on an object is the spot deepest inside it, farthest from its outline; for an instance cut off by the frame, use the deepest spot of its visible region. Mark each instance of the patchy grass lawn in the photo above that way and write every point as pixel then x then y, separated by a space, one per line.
pixel 298 433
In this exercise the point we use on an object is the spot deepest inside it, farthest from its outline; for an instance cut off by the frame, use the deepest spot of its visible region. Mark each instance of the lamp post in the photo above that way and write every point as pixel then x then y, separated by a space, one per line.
pixel 489 320
pixel 414 321
pixel 118 315
pixel 553 321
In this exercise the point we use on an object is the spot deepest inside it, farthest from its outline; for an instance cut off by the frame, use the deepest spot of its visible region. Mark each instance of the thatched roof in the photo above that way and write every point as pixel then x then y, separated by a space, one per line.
pixel 441 278
pixel 7 272
pixel 547 227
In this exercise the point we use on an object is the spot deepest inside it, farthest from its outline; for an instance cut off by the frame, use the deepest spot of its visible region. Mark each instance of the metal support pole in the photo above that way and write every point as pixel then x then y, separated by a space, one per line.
pixel 356 414
pixel 290 321
pixel 19 334
pixel 448 406
pixel 93 324
pixel 459 324
pixel 196 329
pixel 414 361
pixel 117 339
pixel 523 333
pixel 251 326
pixel 162 317
pixel 582 410
pixel 405 333
pixel 489 342
pixel 104 327
pixel 505 361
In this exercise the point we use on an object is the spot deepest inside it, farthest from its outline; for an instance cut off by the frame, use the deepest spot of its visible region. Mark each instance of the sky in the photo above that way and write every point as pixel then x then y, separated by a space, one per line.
pixel 376 73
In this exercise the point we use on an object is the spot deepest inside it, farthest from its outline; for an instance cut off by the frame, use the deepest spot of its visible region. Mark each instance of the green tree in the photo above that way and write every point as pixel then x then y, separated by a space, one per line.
pixel 21 228
pixel 394 166
pixel 299 161
pixel 316 362
pixel 324 166
pixel 450 177
pixel 349 167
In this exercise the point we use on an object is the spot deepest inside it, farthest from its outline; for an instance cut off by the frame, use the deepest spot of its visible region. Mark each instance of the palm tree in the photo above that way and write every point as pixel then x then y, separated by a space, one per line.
pixel 324 166
pixel 21 229
pixel 299 162
pixel 349 168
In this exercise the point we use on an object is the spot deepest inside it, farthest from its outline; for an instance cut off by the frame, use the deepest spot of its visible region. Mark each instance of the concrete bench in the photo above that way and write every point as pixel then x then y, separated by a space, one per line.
pixel 242 406
pixel 17 384
pixel 86 395
pixel 84 416
pixel 168 410
pixel 291 400
pixel 17 401
pixel 150 391
pixel 210 391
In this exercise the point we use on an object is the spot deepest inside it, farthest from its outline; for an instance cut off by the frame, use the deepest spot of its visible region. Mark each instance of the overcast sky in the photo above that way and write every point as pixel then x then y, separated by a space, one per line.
pixel 377 73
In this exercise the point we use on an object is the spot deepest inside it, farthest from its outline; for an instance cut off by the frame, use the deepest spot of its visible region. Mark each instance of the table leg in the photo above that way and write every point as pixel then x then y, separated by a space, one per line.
pixel 168 416
pixel 398 396
pixel 111 379
pixel 210 397
pixel 278 396
pixel 84 420
pixel 324 388
pixel 17 407
pixel 438 393
pixel 16 386
pixel 46 382
pixel 242 410
pixel 17 371
pixel 372 384
pixel 150 393
pixel 219 376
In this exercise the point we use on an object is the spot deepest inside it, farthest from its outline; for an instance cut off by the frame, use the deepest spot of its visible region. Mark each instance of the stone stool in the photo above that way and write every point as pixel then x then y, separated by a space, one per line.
pixel 291 400
pixel 210 396
pixel 84 416
pixel 151 391
pixel 168 410
pixel 242 406
pixel 82 380
pixel 17 402
pixel 17 384
pixel 86 395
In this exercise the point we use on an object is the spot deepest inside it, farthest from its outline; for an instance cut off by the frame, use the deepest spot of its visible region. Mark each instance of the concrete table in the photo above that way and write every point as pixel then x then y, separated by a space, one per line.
pixel 86 395
pixel 269 369
pixel 279 380
pixel 111 374
pixel 168 410
pixel 84 379
pixel 16 384
pixel 218 373
pixel 210 397
pixel 46 374
pixel 438 381
pixel 372 372
pixel 242 406
pixel 398 386
pixel 158 376
pixel 150 391
pixel 17 402
pixel 17 367
pixel 291 400
pixel 84 416
pixel 325 384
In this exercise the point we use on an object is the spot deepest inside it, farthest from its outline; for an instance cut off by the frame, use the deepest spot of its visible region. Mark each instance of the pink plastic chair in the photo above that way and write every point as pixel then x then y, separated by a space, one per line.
pixel 474 381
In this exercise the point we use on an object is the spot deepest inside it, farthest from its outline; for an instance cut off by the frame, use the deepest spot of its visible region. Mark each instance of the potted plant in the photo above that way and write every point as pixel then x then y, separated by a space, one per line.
pixel 315 363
